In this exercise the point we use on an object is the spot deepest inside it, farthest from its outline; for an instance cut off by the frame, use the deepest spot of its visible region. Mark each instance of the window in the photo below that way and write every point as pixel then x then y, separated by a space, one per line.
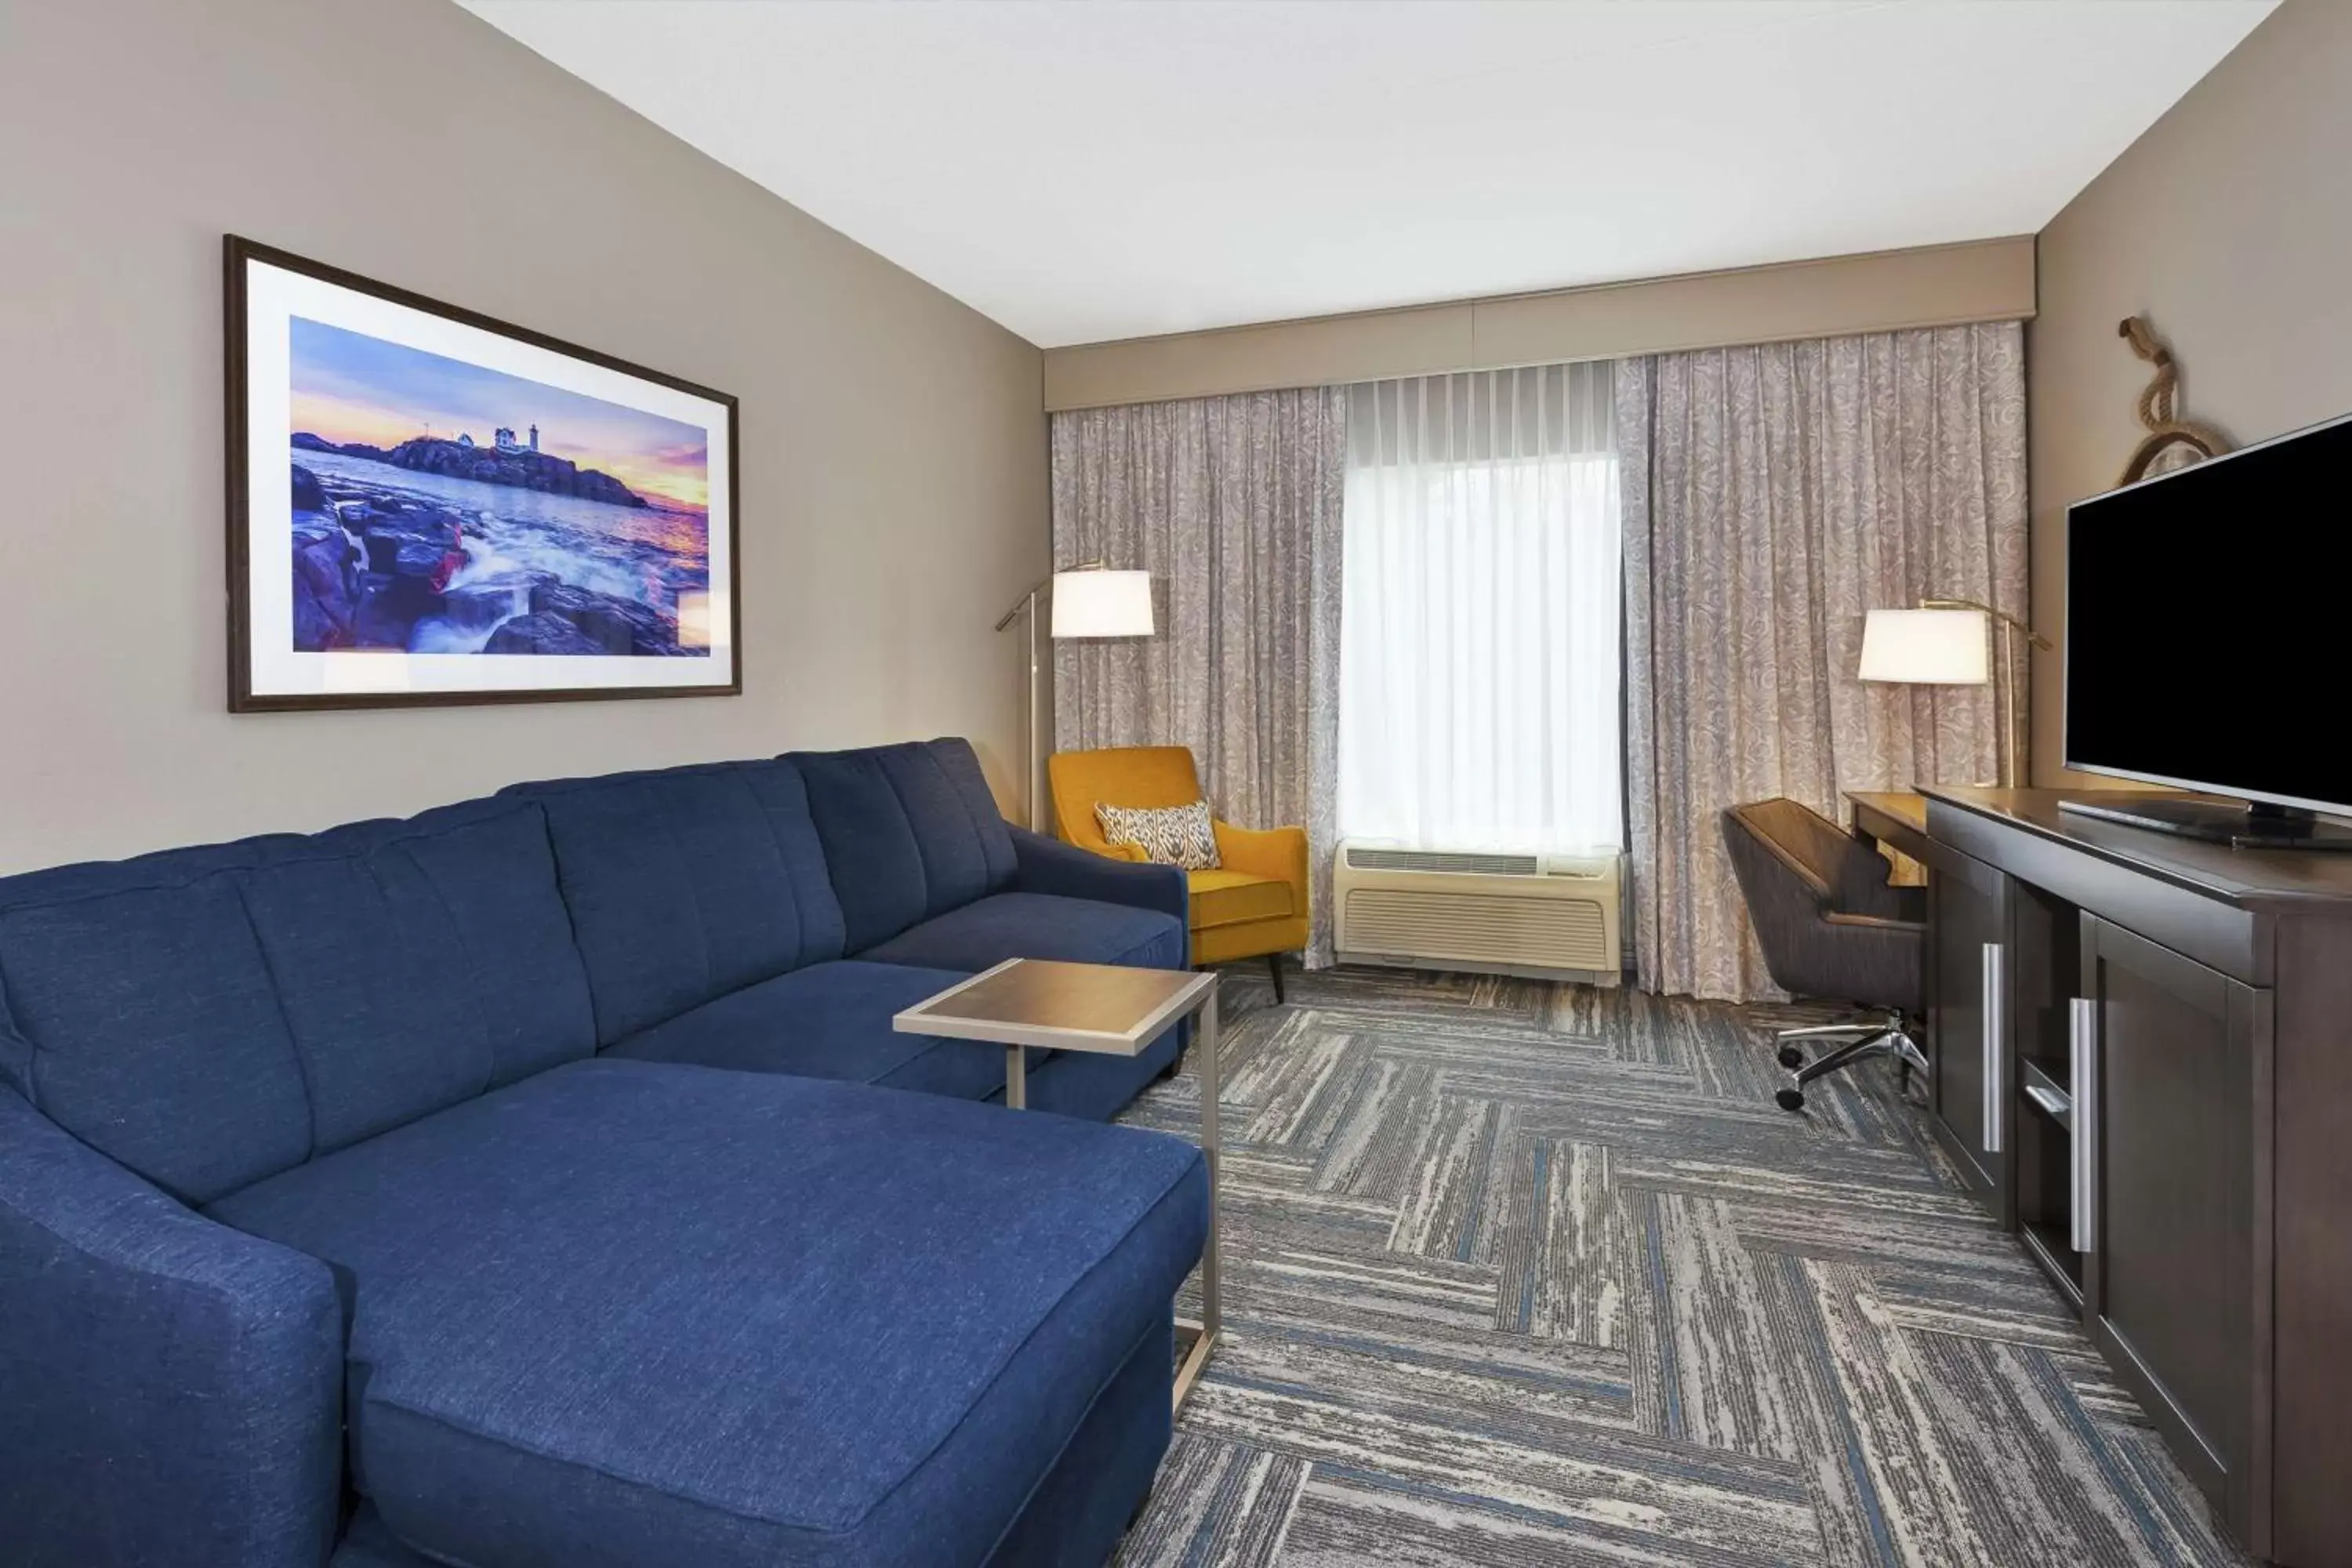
pixel 1479 651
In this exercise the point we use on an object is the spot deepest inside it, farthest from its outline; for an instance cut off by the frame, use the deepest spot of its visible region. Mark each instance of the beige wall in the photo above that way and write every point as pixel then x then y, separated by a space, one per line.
pixel 1931 286
pixel 894 492
pixel 2227 224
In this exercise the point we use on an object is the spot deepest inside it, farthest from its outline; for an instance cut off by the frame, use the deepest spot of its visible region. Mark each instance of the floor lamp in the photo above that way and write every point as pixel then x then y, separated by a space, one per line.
pixel 1088 601
pixel 1943 643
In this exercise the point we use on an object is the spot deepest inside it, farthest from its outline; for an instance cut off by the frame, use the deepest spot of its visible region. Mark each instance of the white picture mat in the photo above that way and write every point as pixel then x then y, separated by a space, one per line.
pixel 273 296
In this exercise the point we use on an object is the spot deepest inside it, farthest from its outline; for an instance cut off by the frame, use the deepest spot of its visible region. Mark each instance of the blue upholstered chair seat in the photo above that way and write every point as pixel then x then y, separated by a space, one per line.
pixel 633 1312
pixel 989 930
pixel 830 1020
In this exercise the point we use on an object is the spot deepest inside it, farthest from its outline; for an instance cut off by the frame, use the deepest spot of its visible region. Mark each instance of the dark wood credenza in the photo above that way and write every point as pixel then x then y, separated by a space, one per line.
pixel 2141 1060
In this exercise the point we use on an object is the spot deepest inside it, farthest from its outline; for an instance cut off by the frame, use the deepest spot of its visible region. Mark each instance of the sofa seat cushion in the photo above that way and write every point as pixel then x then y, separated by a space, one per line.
pixel 829 1020
pixel 630 1312
pixel 1227 898
pixel 985 933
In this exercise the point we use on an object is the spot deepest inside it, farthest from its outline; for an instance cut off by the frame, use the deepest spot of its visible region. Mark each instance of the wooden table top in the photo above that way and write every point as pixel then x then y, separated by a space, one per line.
pixel 1107 1009
pixel 1903 805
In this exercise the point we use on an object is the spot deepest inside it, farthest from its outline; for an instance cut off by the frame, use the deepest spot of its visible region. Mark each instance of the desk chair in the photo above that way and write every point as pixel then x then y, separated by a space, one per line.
pixel 1830 927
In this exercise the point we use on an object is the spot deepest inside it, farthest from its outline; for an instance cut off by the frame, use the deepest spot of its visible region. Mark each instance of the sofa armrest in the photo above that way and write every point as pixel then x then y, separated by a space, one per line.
pixel 1048 866
pixel 1277 852
pixel 170 1389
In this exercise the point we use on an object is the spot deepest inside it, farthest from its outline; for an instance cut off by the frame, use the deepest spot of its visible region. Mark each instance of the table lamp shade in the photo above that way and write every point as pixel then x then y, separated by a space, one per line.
pixel 1098 604
pixel 1925 647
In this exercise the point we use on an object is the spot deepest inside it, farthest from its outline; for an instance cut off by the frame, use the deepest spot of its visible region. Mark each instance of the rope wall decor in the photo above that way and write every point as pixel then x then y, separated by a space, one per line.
pixel 2171 442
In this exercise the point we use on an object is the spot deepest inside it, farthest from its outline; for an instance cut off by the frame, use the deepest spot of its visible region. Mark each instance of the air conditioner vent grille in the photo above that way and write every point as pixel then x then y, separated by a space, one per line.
pixel 1466 862
pixel 1559 933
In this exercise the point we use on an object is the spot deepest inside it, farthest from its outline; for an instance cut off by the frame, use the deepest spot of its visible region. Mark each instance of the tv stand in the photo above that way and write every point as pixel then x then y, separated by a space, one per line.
pixel 2241 826
pixel 2139 1057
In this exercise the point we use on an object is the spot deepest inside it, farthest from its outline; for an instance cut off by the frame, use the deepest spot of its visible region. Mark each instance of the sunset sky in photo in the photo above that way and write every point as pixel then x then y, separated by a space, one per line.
pixel 348 387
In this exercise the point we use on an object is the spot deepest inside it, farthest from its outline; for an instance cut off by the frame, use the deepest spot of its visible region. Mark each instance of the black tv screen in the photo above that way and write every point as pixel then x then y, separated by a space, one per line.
pixel 2208 626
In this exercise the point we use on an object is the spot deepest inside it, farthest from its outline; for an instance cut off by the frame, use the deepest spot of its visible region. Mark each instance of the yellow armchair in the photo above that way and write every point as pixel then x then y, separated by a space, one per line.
pixel 1253 905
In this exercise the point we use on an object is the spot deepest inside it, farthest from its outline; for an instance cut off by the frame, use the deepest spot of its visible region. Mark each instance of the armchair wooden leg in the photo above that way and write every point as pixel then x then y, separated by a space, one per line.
pixel 1273 966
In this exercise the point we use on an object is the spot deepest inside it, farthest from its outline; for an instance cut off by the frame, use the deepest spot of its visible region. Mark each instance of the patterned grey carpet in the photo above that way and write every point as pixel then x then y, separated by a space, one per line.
pixel 1522 1274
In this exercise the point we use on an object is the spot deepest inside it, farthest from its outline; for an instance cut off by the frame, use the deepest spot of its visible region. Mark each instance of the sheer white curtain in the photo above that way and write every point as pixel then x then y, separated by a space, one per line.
pixel 1479 639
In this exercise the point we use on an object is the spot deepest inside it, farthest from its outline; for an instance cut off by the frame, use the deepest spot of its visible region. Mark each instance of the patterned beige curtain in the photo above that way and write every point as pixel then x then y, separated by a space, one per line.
pixel 1232 504
pixel 1772 495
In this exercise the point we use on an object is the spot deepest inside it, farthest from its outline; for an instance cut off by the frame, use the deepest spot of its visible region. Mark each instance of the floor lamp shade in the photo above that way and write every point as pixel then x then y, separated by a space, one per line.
pixel 1945 642
pixel 1925 647
pixel 1099 604
pixel 1087 602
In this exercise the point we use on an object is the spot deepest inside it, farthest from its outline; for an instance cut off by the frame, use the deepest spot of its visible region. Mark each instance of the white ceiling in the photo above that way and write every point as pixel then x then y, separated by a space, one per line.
pixel 1082 172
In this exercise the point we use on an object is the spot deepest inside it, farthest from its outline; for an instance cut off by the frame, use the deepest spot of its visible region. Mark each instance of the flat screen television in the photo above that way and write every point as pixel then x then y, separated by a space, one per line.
pixel 2209 632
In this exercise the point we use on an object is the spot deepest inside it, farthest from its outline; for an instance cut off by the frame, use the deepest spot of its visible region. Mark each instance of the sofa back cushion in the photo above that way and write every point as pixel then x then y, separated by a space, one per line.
pixel 870 850
pixel 142 1020
pixel 967 849
pixel 420 963
pixel 909 831
pixel 688 883
pixel 210 1017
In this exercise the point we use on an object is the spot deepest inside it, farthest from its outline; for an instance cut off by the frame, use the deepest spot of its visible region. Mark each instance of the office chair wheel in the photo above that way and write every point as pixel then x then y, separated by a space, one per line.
pixel 1792 1058
pixel 1789 1098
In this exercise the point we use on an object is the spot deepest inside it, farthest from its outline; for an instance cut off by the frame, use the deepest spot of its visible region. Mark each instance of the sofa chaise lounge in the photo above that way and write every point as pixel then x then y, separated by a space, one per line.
pixel 538 1180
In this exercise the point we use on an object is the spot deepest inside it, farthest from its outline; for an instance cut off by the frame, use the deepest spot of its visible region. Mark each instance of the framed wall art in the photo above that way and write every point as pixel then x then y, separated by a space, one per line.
pixel 426 506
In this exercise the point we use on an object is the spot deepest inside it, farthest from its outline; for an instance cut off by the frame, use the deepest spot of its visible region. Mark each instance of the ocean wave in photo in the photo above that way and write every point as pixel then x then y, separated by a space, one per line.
pixel 391 557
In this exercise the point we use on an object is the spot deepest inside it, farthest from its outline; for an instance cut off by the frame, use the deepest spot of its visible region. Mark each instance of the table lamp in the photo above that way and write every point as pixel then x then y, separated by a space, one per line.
pixel 1089 600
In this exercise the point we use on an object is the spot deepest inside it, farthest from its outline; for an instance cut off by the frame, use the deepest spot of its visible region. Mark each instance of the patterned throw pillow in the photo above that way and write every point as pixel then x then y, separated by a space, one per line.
pixel 1168 835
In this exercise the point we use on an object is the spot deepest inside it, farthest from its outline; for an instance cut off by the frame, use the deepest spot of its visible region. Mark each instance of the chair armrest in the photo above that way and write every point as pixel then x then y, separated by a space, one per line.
pixel 170 1389
pixel 1048 866
pixel 1277 852
pixel 1866 887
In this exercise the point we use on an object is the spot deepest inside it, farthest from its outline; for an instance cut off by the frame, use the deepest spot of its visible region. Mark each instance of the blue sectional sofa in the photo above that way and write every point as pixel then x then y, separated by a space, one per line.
pixel 538 1182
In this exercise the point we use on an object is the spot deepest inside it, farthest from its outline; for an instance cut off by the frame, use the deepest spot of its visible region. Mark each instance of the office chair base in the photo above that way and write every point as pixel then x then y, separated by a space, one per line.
pixel 1856 1042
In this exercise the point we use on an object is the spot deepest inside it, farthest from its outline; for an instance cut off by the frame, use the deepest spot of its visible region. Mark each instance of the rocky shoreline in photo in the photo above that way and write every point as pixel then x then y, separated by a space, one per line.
pixel 374 569
pixel 485 466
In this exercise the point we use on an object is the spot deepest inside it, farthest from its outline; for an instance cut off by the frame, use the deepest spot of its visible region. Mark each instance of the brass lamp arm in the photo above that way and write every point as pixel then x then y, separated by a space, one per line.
pixel 1028 601
pixel 1024 603
pixel 2036 638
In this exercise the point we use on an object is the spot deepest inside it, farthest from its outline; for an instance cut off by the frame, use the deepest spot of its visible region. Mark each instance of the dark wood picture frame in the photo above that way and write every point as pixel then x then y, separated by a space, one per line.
pixel 237 253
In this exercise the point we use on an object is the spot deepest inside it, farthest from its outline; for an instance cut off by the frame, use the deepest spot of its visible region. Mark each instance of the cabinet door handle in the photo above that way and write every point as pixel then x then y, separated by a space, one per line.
pixel 2083 1068
pixel 1996 1103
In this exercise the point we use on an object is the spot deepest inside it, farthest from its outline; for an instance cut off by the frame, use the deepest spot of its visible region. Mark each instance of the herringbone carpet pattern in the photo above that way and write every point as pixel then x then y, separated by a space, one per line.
pixel 1520 1274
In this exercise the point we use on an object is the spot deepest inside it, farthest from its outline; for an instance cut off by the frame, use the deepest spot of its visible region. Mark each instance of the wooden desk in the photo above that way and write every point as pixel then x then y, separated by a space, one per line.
pixel 1894 817
pixel 1896 821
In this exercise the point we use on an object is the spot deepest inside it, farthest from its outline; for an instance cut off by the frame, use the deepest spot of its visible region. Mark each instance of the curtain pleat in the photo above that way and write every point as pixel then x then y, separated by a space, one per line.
pixel 1771 496
pixel 1233 505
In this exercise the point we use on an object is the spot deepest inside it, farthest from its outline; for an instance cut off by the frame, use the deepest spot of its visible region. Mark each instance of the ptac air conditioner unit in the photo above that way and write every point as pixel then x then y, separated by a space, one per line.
pixel 1547 917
